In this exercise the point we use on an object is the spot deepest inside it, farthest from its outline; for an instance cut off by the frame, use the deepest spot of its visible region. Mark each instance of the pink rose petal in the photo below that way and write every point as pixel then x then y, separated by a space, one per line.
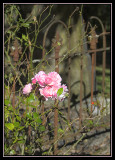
pixel 27 89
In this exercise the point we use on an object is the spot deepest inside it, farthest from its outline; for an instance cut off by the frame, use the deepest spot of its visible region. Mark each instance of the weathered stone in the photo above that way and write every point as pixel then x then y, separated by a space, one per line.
pixel 77 45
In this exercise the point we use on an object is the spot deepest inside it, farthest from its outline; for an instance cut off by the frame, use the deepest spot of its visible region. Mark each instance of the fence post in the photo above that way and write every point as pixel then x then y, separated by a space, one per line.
pixel 15 54
pixel 69 87
pixel 42 102
pixel 104 62
pixel 81 81
pixel 56 44
pixel 93 46
pixel 104 53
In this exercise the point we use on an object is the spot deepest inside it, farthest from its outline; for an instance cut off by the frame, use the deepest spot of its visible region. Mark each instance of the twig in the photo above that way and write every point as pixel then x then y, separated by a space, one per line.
pixel 76 143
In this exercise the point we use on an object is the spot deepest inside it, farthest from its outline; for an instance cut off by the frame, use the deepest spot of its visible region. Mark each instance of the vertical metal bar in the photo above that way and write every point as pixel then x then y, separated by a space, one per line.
pixel 69 76
pixel 104 66
pixel 43 117
pixel 81 76
pixel 81 79
pixel 42 103
pixel 93 47
pixel 92 81
pixel 69 63
pixel 95 69
pixel 57 48
pixel 104 63
pixel 55 127
pixel 13 100
pixel 81 85
pixel 104 53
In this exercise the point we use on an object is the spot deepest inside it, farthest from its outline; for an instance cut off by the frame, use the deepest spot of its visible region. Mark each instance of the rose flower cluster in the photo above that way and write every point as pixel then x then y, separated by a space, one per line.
pixel 49 84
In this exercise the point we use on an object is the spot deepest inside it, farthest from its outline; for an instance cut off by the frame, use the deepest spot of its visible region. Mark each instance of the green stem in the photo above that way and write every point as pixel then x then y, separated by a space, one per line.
pixel 75 143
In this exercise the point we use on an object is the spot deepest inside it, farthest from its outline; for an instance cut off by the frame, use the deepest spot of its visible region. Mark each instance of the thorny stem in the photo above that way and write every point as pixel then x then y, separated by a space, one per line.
pixel 47 15
pixel 65 131
pixel 69 23
pixel 75 143
pixel 62 134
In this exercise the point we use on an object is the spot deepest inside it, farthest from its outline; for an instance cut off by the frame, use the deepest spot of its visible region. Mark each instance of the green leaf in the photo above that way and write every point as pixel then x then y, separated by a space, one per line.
pixel 21 127
pixel 41 128
pixel 41 47
pixel 9 31
pixel 10 108
pixel 19 39
pixel 26 44
pixel 18 118
pixel 91 122
pixel 38 120
pixel 32 106
pixel 26 25
pixel 21 20
pixel 60 130
pixel 28 115
pixel 21 141
pixel 10 126
pixel 15 140
pixel 24 37
pixel 11 80
pixel 7 102
pixel 60 91
pixel 60 112
pixel 58 43
pixel 35 115
pixel 16 124
pixel 31 98
pixel 66 94
pixel 12 152
pixel 6 87
pixel 5 76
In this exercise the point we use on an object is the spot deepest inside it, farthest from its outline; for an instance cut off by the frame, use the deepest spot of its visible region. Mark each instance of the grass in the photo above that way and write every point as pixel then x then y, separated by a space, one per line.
pixel 99 77
pixel 99 68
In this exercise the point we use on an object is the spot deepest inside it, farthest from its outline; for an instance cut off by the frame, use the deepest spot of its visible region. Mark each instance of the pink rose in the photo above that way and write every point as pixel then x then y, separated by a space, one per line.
pixel 27 89
pixel 64 88
pixel 48 80
pixel 40 78
pixel 49 85
pixel 34 80
pixel 54 78
pixel 47 92
pixel 51 92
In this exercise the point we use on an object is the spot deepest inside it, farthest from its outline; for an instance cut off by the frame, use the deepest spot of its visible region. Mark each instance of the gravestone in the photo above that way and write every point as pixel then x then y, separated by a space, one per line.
pixel 78 45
